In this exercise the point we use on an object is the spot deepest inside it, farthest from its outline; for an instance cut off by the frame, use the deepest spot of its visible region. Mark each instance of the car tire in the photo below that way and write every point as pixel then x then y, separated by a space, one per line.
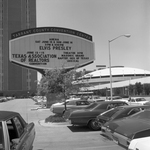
pixel 93 125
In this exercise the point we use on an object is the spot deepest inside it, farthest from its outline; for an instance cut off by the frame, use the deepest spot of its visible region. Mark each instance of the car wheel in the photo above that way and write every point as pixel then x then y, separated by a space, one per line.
pixel 94 125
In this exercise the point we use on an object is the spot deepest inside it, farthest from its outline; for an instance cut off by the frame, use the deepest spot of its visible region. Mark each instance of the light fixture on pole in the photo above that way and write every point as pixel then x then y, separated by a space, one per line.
pixel 126 35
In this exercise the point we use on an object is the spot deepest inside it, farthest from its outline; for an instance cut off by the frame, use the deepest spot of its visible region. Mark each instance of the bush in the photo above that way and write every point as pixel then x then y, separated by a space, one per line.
pixel 55 118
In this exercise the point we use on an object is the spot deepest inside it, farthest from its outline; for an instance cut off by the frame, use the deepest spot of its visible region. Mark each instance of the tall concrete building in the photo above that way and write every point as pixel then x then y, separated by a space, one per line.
pixel 15 15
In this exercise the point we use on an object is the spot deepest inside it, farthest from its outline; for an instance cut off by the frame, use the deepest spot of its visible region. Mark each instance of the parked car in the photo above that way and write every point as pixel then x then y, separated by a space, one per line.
pixel 95 99
pixel 62 102
pixel 117 113
pixel 69 111
pixel 86 117
pixel 3 99
pixel 124 130
pixel 10 98
pixel 140 144
pixel 40 100
pixel 15 133
pixel 117 98
pixel 60 109
pixel 147 103
pixel 137 101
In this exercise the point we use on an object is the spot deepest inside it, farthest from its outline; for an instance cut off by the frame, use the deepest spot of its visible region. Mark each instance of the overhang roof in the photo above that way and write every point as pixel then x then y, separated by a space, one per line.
pixel 116 71
pixel 121 84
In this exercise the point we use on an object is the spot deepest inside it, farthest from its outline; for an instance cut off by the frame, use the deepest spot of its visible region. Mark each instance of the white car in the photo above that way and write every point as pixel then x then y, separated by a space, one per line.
pixel 117 98
pixel 95 99
pixel 137 101
pixel 140 144
pixel 61 103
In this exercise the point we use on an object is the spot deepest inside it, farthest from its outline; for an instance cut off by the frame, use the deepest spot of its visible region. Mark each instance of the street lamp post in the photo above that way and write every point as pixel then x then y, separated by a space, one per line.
pixel 126 35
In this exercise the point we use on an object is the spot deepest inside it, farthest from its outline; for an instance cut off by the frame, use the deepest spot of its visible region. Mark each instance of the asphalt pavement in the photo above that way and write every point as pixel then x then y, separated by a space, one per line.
pixel 58 136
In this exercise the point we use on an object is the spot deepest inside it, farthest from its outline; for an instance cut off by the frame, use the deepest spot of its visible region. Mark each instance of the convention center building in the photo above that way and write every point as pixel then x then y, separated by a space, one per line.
pixel 121 77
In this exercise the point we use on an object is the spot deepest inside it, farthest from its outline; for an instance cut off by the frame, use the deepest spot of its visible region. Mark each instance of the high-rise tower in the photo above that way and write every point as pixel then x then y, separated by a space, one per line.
pixel 15 15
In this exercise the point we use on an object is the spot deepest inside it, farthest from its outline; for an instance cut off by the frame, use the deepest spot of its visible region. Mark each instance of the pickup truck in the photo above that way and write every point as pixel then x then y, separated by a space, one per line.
pixel 15 133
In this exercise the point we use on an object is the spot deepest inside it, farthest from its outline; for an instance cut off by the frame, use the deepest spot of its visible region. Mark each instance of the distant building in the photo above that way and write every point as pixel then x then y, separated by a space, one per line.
pixel 121 77
pixel 15 15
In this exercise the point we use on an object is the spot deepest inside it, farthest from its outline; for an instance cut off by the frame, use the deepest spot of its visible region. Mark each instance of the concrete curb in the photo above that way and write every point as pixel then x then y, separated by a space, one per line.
pixel 39 108
pixel 52 124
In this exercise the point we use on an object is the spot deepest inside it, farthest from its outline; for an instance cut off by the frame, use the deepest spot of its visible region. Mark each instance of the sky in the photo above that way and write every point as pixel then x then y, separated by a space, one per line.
pixel 104 20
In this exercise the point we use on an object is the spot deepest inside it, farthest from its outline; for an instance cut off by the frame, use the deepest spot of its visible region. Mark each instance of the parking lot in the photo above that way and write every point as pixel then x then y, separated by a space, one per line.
pixel 58 136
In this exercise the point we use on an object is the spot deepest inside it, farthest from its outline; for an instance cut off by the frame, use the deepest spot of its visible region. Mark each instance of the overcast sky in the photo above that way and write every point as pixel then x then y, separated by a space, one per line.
pixel 105 20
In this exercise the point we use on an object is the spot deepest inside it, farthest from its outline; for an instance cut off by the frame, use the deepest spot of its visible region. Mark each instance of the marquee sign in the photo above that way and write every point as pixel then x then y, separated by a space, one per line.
pixel 51 47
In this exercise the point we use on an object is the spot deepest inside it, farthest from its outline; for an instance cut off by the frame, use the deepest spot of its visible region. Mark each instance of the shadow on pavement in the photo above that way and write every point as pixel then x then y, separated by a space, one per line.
pixel 105 138
pixel 79 129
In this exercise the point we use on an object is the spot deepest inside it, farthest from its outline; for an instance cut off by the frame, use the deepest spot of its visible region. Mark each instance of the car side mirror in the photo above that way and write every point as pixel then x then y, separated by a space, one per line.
pixel 15 143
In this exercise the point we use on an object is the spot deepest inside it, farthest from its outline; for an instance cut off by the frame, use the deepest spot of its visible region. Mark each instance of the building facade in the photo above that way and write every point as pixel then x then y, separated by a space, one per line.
pixel 122 77
pixel 15 15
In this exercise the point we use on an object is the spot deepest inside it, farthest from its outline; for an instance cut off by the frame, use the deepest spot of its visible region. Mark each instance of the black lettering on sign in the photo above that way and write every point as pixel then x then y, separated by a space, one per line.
pixel 19 55
pixel 61 48
pixel 37 41
pixel 44 41
pixel 73 60
pixel 44 48
pixel 42 56
pixel 38 60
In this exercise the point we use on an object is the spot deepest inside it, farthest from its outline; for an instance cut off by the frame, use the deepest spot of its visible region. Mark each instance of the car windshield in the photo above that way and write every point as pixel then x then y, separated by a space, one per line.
pixel 111 112
pixel 92 106
pixel 142 115
pixel 1 137
pixel 140 99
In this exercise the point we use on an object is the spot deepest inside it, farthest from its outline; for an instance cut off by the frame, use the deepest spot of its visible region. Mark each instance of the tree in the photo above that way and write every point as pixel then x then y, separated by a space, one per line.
pixel 57 83
pixel 146 88
pixel 138 88
pixel 131 89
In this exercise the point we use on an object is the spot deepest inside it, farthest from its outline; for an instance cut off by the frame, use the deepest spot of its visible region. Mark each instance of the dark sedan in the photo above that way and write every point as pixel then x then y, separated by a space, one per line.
pixel 122 131
pixel 117 113
pixel 86 117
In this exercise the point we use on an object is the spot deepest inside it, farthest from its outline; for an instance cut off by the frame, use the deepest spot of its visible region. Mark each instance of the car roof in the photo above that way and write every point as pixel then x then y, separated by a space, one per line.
pixel 111 102
pixel 5 115
pixel 135 106
pixel 75 100
pixel 137 97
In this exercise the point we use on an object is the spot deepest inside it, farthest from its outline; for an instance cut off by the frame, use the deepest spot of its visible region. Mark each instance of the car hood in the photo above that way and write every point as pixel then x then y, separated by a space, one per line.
pixel 129 126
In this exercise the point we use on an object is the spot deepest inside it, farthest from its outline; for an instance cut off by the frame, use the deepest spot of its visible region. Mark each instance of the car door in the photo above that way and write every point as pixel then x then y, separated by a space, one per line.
pixel 20 138
pixel 132 102
pixel 27 136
